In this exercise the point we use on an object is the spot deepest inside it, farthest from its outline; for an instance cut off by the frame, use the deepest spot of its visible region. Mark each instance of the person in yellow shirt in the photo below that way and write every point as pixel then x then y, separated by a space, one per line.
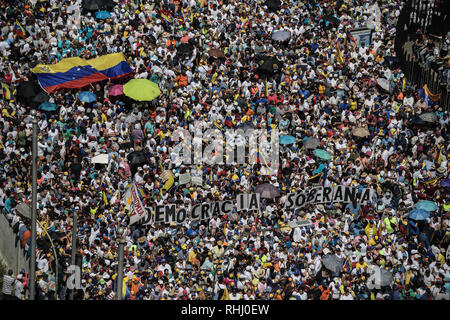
pixel 371 230
pixel 361 265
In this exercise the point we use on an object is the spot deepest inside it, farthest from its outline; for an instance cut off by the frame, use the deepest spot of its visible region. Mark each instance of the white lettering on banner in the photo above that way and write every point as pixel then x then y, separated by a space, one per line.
pixel 165 214
pixel 74 280
pixel 337 194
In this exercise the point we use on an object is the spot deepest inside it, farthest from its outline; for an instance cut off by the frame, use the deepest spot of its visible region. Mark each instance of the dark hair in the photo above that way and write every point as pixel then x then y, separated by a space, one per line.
pixel 10 272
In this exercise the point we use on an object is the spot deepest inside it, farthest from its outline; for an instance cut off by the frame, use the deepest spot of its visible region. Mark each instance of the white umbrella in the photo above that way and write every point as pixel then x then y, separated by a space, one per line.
pixel 384 83
pixel 101 158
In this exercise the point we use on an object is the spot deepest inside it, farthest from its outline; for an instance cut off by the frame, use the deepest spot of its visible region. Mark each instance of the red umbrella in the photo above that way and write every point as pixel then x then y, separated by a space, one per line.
pixel 116 90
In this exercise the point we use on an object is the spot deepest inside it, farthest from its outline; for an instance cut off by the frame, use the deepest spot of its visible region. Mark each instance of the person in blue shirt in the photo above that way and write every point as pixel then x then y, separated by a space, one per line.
pixel 354 208
pixel 8 202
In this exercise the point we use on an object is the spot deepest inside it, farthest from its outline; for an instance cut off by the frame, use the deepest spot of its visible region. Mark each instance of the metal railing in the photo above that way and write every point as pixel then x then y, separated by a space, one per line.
pixel 415 15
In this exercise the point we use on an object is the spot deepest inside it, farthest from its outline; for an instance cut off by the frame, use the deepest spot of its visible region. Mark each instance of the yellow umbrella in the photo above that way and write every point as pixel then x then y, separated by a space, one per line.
pixel 141 90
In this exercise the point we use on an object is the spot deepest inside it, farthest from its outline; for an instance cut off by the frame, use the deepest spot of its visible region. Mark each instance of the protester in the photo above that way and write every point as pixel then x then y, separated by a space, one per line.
pixel 314 90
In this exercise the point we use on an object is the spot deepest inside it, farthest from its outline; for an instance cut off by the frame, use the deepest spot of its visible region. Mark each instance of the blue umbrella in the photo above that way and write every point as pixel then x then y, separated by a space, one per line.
pixel 322 154
pixel 426 205
pixel 287 139
pixel 445 183
pixel 48 106
pixel 419 214
pixel 102 15
pixel 87 96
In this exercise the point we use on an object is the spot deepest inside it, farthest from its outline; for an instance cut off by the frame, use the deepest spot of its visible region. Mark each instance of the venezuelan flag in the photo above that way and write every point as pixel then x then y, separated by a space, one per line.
pixel 228 121
pixel 349 35
pixel 165 15
pixel 7 92
pixel 19 30
pixel 77 73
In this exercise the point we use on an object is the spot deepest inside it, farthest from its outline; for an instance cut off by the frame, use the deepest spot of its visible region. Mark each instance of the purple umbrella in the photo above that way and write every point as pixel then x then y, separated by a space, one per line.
pixel 116 90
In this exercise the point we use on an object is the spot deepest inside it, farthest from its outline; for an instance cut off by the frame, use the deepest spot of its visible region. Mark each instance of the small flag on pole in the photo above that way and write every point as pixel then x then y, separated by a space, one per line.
pixel 19 30
pixel 339 58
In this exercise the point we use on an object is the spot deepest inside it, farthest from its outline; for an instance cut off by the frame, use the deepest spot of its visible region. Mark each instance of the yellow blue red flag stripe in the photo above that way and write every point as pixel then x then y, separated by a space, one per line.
pixel 19 30
pixel 7 92
pixel 77 73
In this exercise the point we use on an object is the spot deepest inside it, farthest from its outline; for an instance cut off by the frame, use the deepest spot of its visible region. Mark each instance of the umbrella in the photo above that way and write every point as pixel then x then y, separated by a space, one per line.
pixel 97 4
pixel 27 91
pixel 116 90
pixel 92 4
pixel 101 158
pixel 380 277
pixel 416 121
pixel 141 90
pixel 331 19
pixel 41 97
pixel 273 5
pixel 245 126
pixel 360 132
pixel 137 159
pixel 333 263
pixel 385 279
pixel 428 117
pixel 311 143
pixel 108 4
pixel 384 84
pixel 269 65
pixel 48 106
pixel 185 49
pixel 322 154
pixel 102 14
pixel 216 53
pixel 445 183
pixel 267 191
pixel 287 139
pixel 419 214
pixel 426 205
pixel 281 35
pixel 87 96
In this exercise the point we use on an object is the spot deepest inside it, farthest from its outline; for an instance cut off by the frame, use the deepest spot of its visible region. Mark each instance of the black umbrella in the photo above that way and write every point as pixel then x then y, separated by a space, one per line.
pixel 416 121
pixel 269 66
pixel 92 4
pixel 27 91
pixel 108 4
pixel 267 191
pixel 185 49
pixel 137 159
pixel 331 19
pixel 273 5
pixel 41 97
pixel 97 4
pixel 333 263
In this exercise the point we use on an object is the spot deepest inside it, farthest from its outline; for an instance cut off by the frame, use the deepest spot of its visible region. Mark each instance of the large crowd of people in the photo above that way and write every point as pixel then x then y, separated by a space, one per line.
pixel 326 86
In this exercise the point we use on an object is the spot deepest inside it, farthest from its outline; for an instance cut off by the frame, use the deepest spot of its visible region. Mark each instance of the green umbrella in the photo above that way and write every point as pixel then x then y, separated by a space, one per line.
pixel 322 154
pixel 141 90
